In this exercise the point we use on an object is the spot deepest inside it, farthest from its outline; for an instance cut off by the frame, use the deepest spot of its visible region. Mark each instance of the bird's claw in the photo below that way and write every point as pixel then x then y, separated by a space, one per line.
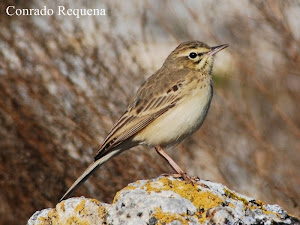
pixel 184 176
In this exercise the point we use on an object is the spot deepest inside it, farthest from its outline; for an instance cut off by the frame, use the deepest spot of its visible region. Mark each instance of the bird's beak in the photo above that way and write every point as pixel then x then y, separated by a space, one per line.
pixel 216 49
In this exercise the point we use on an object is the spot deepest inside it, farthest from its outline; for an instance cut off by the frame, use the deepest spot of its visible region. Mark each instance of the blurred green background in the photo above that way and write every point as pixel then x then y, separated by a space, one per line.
pixel 64 81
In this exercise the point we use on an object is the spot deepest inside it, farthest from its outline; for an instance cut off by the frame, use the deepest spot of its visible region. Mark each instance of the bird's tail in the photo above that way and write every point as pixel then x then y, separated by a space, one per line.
pixel 85 175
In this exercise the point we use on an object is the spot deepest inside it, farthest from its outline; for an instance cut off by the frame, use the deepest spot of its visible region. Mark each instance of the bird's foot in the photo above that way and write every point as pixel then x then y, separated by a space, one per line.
pixel 184 176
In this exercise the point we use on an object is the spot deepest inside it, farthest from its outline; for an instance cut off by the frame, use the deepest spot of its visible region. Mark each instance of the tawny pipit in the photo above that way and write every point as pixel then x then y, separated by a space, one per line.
pixel 171 105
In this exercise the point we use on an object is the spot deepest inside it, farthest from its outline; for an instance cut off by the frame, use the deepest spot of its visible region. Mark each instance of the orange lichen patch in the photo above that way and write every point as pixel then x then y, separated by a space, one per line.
pixel 202 200
pixel 117 196
pixel 167 217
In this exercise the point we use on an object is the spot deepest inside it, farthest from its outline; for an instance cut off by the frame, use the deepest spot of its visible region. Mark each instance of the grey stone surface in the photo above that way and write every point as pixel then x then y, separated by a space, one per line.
pixel 166 200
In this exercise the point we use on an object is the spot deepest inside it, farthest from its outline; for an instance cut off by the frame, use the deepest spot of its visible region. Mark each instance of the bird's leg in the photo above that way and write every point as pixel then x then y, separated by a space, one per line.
pixel 174 165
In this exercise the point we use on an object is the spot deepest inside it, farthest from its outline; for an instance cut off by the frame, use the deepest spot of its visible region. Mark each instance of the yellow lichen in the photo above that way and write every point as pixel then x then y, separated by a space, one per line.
pixel 102 212
pixel 167 217
pixel 80 208
pixel 231 205
pixel 202 200
pixel 74 220
pixel 138 182
pixel 117 196
pixel 62 206
pixel 233 195
pixel 97 202
pixel 260 205
pixel 255 205
pixel 52 218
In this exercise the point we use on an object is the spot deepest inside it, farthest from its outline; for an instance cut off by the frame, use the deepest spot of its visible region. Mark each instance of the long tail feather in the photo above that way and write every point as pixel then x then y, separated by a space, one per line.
pixel 85 175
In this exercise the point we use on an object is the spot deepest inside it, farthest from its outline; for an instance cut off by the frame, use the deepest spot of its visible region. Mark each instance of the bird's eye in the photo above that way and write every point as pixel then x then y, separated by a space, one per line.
pixel 193 55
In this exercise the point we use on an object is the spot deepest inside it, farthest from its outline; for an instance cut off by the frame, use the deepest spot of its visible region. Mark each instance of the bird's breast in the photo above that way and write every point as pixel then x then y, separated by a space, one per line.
pixel 180 121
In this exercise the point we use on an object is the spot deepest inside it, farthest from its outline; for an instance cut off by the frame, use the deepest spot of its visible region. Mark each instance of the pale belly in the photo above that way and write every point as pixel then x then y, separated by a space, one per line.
pixel 177 123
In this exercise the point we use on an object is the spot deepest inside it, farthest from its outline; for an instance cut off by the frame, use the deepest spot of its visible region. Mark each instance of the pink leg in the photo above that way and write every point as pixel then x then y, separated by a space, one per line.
pixel 174 165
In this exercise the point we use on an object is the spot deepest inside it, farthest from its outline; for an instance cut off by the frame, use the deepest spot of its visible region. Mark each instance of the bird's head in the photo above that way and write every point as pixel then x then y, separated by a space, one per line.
pixel 194 55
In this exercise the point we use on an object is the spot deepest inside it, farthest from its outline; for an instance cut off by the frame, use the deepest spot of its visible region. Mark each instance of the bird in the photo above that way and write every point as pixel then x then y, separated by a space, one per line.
pixel 169 106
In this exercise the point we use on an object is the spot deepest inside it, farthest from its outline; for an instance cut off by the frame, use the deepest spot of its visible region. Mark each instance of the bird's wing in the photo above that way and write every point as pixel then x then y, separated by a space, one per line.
pixel 149 104
pixel 132 121
pixel 144 109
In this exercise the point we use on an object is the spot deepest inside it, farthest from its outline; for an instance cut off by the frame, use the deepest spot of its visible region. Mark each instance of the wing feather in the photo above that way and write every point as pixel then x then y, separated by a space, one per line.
pixel 131 123
pixel 145 108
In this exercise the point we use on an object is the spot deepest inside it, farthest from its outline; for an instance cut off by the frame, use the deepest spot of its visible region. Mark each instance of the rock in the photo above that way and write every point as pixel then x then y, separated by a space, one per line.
pixel 72 211
pixel 166 200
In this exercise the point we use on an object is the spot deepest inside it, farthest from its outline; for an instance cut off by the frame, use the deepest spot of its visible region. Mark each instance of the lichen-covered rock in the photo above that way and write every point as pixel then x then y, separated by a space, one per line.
pixel 72 211
pixel 167 200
